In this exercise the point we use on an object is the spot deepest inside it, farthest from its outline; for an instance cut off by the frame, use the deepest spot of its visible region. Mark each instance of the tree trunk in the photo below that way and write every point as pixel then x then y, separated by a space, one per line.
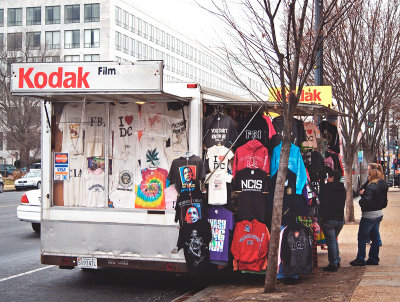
pixel 349 187
pixel 270 277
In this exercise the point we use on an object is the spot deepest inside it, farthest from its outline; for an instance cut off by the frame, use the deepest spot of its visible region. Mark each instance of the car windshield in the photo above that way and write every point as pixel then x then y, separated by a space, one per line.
pixel 32 174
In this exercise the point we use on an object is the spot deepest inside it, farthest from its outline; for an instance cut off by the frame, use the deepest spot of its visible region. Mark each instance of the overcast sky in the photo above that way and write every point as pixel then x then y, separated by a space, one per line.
pixel 184 16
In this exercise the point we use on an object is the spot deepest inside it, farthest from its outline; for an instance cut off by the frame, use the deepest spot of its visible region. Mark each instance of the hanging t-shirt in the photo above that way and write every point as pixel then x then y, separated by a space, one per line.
pixel 190 207
pixel 296 250
pixel 125 123
pixel 72 128
pixel 219 129
pixel 177 134
pixel 154 119
pixel 251 155
pixel 251 201
pixel 94 190
pixel 217 187
pixel 150 193
pixel 329 131
pixel 256 130
pixel 217 159
pixel 171 196
pixel 95 123
pixel 195 239
pixel 152 152
pixel 122 183
pixel 73 188
pixel 298 135
pixel 312 134
pixel 222 224
pixel 186 173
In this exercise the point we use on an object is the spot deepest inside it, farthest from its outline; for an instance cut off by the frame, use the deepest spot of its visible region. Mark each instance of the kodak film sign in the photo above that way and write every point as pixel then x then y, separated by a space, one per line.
pixel 85 77
pixel 309 95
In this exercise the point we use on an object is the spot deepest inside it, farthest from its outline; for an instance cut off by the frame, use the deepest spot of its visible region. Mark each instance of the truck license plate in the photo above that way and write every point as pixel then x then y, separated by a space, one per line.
pixel 87 262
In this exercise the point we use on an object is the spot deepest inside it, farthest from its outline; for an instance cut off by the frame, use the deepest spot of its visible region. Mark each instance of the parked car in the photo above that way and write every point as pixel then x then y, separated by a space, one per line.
pixel 30 208
pixel 6 169
pixel 35 166
pixel 1 184
pixel 32 179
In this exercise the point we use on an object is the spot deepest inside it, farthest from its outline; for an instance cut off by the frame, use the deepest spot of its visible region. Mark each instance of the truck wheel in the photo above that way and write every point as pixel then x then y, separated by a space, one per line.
pixel 1 188
pixel 36 227
pixel 38 185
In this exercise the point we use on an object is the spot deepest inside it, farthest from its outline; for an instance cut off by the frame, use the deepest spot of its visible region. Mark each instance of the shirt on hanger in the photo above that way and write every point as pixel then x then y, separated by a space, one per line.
pixel 73 188
pixel 95 125
pixel 150 193
pixel 217 159
pixel 217 187
pixel 72 128
pixel 219 129
pixel 190 207
pixel 186 173
pixel 222 224
pixel 312 134
pixel 154 118
pixel 152 152
pixel 122 183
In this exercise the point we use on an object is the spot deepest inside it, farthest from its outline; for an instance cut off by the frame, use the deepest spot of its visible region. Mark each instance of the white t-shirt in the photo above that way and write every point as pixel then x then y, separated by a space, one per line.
pixel 125 124
pixel 95 125
pixel 154 118
pixel 94 191
pixel 122 183
pixel 217 193
pixel 73 188
pixel 215 154
pixel 152 152
pixel 177 134
pixel 71 127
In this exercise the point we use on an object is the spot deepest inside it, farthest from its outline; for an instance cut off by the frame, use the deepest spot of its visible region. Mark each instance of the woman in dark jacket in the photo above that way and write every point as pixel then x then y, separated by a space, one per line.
pixel 373 200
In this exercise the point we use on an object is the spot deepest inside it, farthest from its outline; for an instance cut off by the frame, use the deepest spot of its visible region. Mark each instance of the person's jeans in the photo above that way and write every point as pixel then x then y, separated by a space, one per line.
pixel 369 229
pixel 331 229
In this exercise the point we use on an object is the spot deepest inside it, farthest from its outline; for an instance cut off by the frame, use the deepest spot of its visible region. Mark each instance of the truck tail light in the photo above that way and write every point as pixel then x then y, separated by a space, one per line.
pixel 191 85
pixel 24 198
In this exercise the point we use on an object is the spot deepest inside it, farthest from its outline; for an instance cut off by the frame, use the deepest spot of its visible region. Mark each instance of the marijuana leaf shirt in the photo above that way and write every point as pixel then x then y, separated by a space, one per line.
pixel 152 152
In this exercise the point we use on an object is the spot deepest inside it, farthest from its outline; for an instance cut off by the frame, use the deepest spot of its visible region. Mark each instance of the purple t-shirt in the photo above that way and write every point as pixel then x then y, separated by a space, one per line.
pixel 222 224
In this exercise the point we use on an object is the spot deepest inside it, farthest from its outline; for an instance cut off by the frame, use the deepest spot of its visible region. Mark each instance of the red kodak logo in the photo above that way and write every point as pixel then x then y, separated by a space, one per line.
pixel 313 96
pixel 57 79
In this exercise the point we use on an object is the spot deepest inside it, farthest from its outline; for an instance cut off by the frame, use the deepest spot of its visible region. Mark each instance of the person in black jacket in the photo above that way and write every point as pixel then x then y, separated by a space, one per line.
pixel 331 214
pixel 373 200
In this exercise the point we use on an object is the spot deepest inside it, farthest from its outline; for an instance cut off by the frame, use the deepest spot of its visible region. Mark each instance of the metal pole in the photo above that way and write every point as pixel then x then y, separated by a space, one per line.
pixel 387 140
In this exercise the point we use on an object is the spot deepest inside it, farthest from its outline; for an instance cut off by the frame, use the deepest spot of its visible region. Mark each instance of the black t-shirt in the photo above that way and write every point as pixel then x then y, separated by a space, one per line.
pixel 298 133
pixel 190 207
pixel 257 129
pixel 329 131
pixel 251 200
pixel 219 128
pixel 195 240
pixel 186 173
pixel 293 204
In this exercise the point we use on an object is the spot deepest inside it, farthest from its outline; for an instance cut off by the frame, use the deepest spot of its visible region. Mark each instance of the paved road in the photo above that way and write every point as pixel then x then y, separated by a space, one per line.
pixel 24 278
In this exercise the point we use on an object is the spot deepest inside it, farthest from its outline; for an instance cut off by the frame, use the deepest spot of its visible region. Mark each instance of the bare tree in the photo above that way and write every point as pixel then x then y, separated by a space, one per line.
pixel 362 60
pixel 20 116
pixel 269 49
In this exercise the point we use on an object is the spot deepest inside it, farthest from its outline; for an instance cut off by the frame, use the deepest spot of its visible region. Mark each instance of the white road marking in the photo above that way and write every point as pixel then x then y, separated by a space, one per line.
pixel 27 273
pixel 13 205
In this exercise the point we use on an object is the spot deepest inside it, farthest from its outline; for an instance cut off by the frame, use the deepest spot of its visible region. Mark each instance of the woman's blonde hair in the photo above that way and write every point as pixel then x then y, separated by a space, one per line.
pixel 375 172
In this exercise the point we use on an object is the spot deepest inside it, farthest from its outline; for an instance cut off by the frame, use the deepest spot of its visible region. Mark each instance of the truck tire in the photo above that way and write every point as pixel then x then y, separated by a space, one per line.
pixel 38 185
pixel 36 227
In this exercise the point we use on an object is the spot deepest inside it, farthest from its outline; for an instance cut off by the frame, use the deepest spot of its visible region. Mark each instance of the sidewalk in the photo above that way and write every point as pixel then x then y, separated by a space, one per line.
pixel 354 284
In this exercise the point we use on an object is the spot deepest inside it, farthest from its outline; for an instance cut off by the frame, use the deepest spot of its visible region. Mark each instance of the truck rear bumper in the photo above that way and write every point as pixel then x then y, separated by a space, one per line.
pixel 71 262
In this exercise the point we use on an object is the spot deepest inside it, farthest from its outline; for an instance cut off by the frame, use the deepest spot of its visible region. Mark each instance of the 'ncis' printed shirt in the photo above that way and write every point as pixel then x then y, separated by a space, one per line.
pixel 252 202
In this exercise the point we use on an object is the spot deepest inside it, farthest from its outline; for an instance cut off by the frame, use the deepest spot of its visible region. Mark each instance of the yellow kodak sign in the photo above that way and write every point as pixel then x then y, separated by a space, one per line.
pixel 309 95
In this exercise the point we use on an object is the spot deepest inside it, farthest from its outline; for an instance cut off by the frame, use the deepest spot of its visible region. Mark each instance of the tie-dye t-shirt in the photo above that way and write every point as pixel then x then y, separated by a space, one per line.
pixel 150 193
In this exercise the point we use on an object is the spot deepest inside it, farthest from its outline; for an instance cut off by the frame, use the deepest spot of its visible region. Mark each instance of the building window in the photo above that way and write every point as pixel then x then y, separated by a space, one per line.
pixel 52 14
pixel 118 16
pixel 126 20
pixel 72 14
pixel 1 41
pixel 52 39
pixel 145 28
pixel 14 17
pixel 139 26
pixel 91 58
pixel 118 40
pixel 92 38
pixel 14 41
pixel 151 32
pixel 71 39
pixel 52 59
pixel 33 15
pixel 132 23
pixel 132 48
pixel 71 58
pixel 1 17
pixel 125 43
pixel 92 12
pixel 33 40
